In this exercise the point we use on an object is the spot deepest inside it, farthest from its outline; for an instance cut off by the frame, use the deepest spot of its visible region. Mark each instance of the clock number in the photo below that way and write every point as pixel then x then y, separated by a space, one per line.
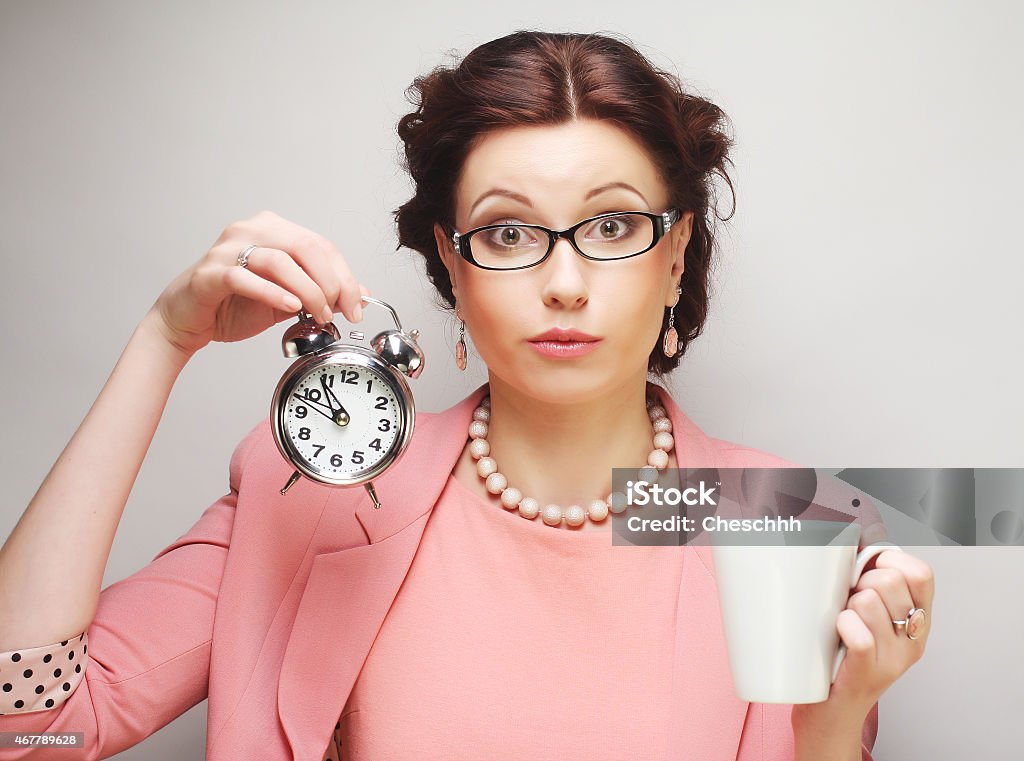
pixel 357 457
pixel 319 449
pixel 336 460
pixel 330 380
pixel 304 434
pixel 385 423
pixel 375 444
pixel 301 412
pixel 313 394
pixel 382 403
pixel 350 376
pixel 369 385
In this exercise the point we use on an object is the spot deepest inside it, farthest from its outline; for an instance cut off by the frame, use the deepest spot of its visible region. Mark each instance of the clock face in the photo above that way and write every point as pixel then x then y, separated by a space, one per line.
pixel 342 419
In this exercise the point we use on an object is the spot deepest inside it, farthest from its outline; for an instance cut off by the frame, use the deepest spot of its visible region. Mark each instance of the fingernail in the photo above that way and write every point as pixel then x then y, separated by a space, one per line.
pixel 327 314
pixel 358 313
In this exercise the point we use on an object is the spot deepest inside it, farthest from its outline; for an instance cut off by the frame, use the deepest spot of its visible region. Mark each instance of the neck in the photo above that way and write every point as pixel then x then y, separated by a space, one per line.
pixel 564 451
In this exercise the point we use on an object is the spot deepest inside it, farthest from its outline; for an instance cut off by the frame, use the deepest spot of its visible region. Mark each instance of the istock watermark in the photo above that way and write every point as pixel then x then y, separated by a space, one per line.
pixel 906 506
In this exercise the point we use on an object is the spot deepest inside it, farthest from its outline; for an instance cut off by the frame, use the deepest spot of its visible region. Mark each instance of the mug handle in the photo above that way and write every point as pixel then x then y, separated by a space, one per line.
pixel 863 557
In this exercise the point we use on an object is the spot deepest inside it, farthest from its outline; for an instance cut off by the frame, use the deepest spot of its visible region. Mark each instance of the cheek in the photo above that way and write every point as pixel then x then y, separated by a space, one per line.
pixel 500 310
pixel 637 300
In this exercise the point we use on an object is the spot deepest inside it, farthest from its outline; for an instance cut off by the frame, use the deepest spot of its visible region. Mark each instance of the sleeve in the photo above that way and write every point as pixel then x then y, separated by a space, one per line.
pixel 37 678
pixel 768 734
pixel 148 656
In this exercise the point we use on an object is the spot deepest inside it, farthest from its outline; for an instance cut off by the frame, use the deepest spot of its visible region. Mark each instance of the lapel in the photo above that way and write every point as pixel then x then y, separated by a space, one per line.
pixel 348 593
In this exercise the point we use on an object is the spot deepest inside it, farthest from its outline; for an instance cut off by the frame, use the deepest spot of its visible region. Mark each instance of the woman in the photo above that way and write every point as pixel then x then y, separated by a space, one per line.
pixel 562 207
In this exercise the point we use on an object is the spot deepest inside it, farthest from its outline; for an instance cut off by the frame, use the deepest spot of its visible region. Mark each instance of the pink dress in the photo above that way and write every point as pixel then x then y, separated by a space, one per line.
pixel 512 638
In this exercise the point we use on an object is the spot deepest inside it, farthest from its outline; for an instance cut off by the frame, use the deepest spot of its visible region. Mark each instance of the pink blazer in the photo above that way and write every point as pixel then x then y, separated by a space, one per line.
pixel 269 604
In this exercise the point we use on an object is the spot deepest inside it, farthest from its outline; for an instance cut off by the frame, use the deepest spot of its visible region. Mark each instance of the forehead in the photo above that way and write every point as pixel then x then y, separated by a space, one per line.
pixel 555 165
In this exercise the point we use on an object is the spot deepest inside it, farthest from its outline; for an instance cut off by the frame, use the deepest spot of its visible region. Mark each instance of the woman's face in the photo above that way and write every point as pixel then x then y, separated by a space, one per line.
pixel 554 169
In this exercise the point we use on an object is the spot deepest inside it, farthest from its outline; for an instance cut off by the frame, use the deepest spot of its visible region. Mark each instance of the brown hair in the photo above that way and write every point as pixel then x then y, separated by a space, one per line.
pixel 537 78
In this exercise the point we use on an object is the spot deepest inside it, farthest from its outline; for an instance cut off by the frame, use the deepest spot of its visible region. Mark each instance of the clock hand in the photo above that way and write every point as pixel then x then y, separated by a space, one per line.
pixel 309 399
pixel 328 394
pixel 340 416
pixel 313 406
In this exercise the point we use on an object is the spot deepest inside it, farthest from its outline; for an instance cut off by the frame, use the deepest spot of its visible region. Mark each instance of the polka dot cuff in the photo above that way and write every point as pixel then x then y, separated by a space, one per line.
pixel 38 678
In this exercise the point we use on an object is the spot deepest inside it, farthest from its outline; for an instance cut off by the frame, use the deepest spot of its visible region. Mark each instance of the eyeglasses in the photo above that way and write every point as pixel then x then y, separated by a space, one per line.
pixel 616 235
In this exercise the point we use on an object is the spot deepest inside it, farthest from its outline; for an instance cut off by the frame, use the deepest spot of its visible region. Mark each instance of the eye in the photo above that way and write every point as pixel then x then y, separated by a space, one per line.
pixel 508 236
pixel 613 228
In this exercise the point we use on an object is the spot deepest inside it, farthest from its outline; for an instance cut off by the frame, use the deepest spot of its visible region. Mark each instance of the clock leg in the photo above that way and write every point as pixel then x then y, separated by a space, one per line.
pixel 373 495
pixel 294 477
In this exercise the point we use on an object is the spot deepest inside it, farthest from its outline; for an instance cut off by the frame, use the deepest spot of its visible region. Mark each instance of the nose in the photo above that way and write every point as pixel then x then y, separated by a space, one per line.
pixel 564 283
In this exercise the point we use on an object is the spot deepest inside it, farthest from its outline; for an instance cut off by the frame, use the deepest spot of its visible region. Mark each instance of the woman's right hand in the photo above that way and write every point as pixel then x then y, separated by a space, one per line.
pixel 217 300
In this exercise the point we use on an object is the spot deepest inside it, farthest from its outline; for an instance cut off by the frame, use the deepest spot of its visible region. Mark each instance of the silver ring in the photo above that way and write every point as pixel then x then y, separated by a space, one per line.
pixel 912 623
pixel 243 258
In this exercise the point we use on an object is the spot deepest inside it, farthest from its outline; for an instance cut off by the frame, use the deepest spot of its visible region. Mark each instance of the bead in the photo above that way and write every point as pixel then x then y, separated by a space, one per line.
pixel 478 429
pixel 658 458
pixel 617 502
pixel 529 508
pixel 486 402
pixel 510 498
pixel 647 473
pixel 663 440
pixel 552 515
pixel 663 424
pixel 575 515
pixel 598 510
pixel 479 448
pixel 460 354
pixel 485 466
pixel 496 483
pixel 656 412
pixel 482 413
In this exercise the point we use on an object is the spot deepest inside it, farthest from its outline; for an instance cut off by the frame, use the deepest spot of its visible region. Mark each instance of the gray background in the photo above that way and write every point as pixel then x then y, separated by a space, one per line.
pixel 866 313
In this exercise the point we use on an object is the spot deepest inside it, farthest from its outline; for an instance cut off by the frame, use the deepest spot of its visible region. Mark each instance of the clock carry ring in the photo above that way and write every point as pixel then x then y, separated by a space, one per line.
pixel 396 347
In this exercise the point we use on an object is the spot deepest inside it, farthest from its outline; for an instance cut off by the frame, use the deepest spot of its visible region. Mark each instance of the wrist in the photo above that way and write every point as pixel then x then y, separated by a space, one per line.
pixel 821 730
pixel 825 714
pixel 153 331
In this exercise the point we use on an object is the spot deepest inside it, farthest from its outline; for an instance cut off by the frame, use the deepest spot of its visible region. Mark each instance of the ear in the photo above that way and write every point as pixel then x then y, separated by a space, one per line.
pixel 446 250
pixel 679 235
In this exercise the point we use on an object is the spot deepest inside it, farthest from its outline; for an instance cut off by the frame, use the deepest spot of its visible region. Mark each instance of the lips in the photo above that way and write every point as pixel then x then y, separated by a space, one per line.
pixel 569 335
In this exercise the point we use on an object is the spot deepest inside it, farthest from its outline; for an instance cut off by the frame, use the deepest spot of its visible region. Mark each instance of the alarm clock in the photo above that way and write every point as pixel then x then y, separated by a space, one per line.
pixel 342 414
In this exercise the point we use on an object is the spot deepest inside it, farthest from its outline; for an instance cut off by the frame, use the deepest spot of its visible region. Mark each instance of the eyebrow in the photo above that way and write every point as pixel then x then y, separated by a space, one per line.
pixel 526 201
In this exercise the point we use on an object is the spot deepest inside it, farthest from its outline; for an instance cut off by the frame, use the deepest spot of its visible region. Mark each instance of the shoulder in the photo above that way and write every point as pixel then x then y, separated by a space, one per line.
pixel 830 495
pixel 731 454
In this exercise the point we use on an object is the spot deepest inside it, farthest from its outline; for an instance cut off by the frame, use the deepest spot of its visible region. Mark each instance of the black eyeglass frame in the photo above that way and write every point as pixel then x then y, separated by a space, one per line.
pixel 662 224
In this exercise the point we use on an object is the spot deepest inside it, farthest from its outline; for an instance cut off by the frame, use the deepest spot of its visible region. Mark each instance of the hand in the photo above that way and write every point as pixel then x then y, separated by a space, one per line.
pixel 217 300
pixel 877 655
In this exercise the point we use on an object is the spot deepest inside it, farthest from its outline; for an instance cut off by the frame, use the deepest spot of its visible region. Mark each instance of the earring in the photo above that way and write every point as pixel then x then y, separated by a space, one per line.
pixel 460 347
pixel 670 344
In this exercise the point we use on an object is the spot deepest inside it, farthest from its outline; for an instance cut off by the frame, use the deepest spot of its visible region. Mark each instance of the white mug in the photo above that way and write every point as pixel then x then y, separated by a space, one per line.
pixel 781 594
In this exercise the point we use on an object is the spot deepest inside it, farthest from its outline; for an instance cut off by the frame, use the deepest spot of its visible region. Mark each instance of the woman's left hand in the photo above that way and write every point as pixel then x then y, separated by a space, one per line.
pixel 877 654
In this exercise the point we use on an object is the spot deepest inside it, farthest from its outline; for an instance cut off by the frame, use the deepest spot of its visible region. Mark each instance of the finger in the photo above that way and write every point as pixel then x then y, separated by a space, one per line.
pixel 314 253
pixel 919 575
pixel 870 608
pixel 245 283
pixel 349 298
pixel 274 265
pixel 861 655
pixel 891 585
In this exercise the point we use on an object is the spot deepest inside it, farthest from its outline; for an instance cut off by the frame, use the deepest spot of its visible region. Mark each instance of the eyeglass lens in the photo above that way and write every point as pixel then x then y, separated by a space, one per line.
pixel 521 245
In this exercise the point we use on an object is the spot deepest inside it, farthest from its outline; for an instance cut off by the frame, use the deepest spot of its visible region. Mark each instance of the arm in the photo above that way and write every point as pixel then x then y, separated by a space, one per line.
pixel 149 643
pixel 83 497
